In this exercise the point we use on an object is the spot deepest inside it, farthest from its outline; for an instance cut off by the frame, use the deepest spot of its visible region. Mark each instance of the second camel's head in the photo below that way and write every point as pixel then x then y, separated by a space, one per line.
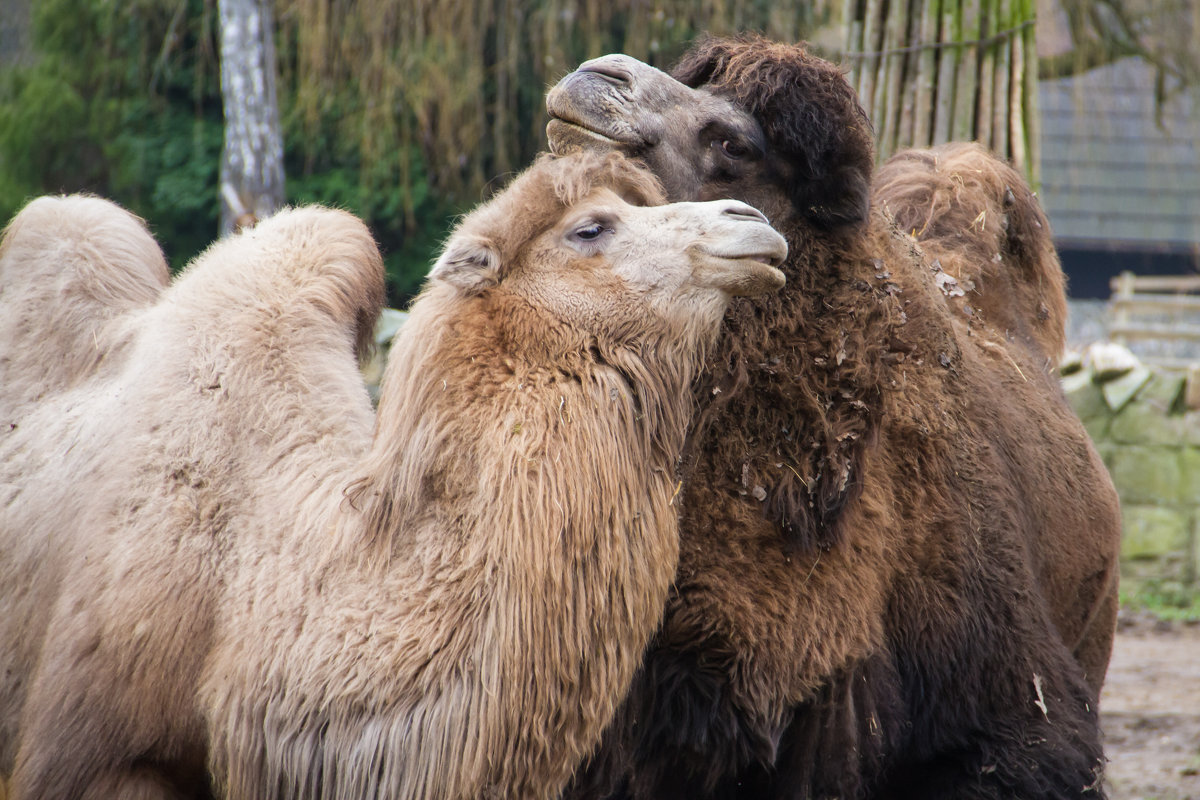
pixel 744 117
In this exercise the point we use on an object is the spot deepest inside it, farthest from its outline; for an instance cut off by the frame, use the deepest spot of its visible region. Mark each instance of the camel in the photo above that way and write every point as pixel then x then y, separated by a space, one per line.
pixel 976 217
pixel 225 574
pixel 899 548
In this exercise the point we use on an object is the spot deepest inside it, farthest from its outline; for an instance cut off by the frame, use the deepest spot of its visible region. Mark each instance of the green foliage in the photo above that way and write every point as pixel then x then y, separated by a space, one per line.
pixel 405 113
pixel 43 129
pixel 1165 599
pixel 122 100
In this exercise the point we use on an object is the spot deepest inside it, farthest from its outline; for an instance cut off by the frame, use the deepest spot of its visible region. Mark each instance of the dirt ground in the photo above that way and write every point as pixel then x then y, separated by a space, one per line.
pixel 1150 711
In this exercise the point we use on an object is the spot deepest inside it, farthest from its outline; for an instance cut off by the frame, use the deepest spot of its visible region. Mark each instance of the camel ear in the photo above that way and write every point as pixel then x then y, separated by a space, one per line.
pixel 470 263
pixel 829 151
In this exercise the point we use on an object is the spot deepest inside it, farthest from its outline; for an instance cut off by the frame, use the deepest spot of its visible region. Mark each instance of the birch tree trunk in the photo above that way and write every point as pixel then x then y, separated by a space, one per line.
pixel 252 161
pixel 931 71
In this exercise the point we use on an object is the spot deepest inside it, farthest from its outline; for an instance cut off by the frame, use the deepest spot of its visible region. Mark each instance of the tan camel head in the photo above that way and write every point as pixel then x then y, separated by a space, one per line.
pixel 579 237
pixel 766 123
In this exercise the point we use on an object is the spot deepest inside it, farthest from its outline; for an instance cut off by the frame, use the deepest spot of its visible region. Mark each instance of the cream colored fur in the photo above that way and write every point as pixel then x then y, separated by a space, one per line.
pixel 125 499
pixel 244 572
pixel 68 267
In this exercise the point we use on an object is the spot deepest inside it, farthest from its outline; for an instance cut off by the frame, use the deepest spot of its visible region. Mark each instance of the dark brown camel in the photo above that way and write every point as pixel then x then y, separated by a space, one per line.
pixel 899 562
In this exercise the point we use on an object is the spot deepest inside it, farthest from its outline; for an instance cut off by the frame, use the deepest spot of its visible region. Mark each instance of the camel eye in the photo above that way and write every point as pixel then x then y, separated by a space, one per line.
pixel 733 149
pixel 591 232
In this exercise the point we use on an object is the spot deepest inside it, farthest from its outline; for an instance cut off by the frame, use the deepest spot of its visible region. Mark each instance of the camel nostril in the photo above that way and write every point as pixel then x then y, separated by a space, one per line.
pixel 743 211
pixel 609 71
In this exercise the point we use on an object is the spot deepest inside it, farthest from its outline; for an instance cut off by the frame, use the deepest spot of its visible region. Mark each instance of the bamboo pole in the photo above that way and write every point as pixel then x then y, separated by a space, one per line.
pixel 878 110
pixel 1030 116
pixel 966 79
pixel 922 132
pixel 910 85
pixel 1001 106
pixel 948 57
pixel 987 73
pixel 853 42
pixel 887 89
pixel 872 42
pixel 1016 105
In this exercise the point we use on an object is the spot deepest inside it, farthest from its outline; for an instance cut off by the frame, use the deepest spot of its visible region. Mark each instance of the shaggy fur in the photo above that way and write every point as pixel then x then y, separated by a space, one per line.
pixel 978 219
pixel 130 492
pixel 899 548
pixel 67 268
pixel 212 565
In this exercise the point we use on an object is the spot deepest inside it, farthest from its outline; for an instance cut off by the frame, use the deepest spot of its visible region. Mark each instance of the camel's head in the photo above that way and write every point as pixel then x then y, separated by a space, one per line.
pixel 584 239
pixel 747 118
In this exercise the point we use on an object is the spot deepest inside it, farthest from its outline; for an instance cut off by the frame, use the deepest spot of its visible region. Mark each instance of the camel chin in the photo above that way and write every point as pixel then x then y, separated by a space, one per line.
pixel 566 137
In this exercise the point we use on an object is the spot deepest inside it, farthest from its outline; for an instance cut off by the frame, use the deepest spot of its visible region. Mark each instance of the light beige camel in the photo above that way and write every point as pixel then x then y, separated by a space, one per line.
pixel 244 580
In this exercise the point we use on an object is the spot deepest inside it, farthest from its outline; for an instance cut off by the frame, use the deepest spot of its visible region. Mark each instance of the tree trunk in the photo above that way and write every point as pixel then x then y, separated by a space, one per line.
pixel 252 161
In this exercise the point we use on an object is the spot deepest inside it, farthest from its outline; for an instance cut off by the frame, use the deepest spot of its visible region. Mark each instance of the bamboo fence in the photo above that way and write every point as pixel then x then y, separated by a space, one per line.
pixel 450 91
pixel 931 71
pixel 455 87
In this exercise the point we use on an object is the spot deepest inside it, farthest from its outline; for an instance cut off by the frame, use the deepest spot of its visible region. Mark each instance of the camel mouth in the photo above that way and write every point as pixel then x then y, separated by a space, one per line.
pixel 564 136
pixel 772 259
pixel 739 275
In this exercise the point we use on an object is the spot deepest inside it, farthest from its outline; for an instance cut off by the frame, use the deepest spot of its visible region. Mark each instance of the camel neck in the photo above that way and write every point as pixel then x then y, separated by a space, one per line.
pixel 528 507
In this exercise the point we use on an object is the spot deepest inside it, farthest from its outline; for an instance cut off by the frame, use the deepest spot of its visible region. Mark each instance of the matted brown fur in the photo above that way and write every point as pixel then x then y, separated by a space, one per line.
pixel 898 566
pixel 977 218
pixel 218 561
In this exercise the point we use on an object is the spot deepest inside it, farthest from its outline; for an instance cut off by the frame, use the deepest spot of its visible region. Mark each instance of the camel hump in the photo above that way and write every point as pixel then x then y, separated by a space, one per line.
pixel 977 216
pixel 312 265
pixel 68 266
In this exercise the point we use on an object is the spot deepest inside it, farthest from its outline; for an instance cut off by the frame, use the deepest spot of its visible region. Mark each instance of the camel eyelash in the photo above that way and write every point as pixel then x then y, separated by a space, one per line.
pixel 588 231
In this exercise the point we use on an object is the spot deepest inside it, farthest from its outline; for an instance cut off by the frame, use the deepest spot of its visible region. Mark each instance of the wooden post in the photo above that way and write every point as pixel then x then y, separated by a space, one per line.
pixel 887 89
pixel 927 69
pixel 872 42
pixel 966 87
pixel 1031 119
pixel 1000 106
pixel 1122 289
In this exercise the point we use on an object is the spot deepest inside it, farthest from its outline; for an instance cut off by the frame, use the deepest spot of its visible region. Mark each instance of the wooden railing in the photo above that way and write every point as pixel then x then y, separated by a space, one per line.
pixel 1157 316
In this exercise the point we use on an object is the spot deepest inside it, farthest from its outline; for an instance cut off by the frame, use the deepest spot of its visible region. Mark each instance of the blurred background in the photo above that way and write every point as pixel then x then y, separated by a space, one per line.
pixel 407 112
pixel 205 115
